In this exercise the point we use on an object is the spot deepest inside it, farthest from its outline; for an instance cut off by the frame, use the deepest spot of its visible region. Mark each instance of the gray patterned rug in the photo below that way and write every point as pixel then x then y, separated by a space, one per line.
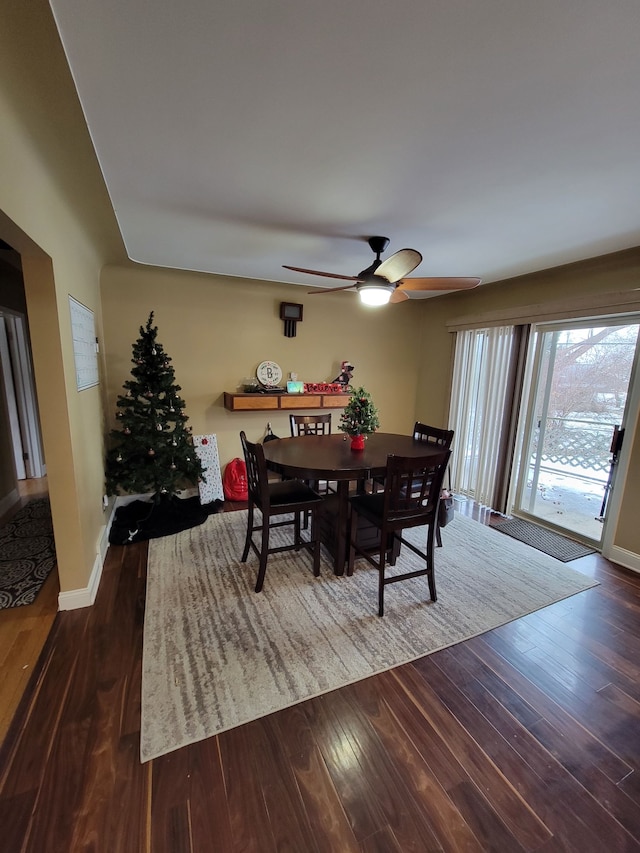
pixel 217 655
pixel 27 554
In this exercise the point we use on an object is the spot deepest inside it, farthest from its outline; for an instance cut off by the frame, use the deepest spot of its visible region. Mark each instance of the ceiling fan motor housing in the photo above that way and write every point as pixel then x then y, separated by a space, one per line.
pixel 378 244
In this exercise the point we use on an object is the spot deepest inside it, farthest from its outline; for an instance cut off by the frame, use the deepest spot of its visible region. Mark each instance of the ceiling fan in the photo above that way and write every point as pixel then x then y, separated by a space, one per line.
pixel 384 281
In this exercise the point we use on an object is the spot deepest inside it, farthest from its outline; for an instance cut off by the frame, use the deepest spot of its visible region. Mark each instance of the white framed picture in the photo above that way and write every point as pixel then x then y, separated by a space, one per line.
pixel 85 344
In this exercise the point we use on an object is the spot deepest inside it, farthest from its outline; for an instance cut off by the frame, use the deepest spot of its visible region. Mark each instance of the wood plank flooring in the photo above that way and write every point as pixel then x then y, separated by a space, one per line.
pixel 526 738
pixel 24 630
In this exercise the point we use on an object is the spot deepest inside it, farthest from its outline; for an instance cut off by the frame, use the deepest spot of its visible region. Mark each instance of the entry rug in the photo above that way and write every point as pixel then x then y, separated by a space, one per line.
pixel 217 655
pixel 27 553
pixel 554 544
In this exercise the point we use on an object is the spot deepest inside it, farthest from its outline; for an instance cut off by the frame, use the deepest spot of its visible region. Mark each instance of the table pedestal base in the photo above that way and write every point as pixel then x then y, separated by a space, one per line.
pixel 368 537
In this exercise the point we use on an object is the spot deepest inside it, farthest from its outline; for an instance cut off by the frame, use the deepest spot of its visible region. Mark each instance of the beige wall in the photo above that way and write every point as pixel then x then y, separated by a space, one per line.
pixel 55 211
pixel 607 274
pixel 218 330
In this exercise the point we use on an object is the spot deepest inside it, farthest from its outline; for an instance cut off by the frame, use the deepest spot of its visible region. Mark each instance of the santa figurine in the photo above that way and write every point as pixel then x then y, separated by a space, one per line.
pixel 346 373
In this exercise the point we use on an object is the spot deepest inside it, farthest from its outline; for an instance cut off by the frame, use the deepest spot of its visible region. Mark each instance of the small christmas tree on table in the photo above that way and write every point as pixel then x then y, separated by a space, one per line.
pixel 359 418
pixel 152 448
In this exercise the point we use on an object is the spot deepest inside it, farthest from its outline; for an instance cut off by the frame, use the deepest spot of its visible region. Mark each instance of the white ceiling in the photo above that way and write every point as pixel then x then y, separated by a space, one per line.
pixel 496 137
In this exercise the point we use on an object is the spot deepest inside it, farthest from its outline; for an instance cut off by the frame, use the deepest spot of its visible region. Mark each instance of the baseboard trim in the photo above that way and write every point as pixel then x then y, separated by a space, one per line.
pixel 74 599
pixel 625 558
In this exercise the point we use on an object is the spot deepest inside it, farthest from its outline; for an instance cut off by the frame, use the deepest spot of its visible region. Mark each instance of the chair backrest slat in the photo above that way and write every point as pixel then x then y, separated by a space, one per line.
pixel 433 435
pixel 257 476
pixel 413 485
pixel 310 424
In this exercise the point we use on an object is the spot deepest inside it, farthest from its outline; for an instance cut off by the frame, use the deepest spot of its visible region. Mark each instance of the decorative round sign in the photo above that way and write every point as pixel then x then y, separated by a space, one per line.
pixel 269 373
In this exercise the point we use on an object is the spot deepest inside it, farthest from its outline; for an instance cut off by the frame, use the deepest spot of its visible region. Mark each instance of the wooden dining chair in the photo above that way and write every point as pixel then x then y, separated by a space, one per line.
pixel 410 498
pixel 312 425
pixel 282 497
pixel 430 435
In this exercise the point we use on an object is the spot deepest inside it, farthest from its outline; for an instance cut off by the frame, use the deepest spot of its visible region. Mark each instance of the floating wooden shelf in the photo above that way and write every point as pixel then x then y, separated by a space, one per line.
pixel 283 402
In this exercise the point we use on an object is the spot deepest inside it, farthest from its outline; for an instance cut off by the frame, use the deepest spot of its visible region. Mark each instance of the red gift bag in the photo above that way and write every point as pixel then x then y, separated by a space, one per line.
pixel 234 482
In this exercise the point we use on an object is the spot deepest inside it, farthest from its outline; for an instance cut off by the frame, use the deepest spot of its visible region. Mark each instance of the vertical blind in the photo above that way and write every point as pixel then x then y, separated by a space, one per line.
pixel 479 394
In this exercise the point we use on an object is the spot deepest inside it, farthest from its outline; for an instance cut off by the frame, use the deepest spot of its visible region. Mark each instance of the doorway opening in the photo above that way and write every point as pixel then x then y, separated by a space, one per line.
pixel 20 396
pixel 574 425
pixel 539 414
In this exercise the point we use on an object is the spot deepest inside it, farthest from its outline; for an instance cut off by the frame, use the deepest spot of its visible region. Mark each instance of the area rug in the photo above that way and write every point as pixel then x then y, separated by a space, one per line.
pixel 217 655
pixel 561 547
pixel 27 553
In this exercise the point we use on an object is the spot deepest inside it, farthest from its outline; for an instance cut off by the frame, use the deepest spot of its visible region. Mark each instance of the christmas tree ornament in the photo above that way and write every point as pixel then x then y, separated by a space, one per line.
pixel 159 427
pixel 151 452
pixel 126 431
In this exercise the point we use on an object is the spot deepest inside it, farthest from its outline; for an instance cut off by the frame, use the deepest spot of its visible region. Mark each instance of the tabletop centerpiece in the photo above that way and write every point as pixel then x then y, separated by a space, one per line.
pixel 359 418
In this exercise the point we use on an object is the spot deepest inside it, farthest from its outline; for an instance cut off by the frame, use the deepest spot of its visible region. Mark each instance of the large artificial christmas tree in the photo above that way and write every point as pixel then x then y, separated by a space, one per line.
pixel 152 449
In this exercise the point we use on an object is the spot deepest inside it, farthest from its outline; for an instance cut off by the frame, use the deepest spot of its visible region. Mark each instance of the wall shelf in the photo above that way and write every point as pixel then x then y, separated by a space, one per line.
pixel 283 402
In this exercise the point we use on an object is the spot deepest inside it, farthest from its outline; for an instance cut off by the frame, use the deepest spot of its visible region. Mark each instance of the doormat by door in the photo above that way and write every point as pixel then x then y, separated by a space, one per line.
pixel 27 552
pixel 554 544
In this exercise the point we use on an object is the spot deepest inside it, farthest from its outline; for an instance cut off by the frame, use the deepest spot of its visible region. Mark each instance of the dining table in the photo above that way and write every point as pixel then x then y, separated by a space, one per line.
pixel 330 458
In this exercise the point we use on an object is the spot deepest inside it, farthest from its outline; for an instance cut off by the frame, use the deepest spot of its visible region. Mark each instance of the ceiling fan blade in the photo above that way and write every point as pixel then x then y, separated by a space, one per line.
pixel 439 283
pixel 399 264
pixel 331 289
pixel 398 296
pixel 325 274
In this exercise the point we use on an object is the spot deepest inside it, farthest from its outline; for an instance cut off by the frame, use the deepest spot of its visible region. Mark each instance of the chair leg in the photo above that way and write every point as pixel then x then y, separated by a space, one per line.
pixel 247 541
pixel 313 484
pixel 264 554
pixel 430 565
pixel 297 536
pixel 438 536
pixel 352 543
pixel 381 584
pixel 315 538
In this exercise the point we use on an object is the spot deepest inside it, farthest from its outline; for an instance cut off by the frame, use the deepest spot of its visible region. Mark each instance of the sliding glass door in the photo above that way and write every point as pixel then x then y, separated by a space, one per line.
pixel 574 423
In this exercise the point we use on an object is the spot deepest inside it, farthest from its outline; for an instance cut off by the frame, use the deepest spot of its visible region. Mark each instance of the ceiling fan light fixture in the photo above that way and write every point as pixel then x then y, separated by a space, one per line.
pixel 375 294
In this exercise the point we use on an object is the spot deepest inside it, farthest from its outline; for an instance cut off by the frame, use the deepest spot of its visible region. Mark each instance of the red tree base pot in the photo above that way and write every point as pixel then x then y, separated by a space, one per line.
pixel 357 442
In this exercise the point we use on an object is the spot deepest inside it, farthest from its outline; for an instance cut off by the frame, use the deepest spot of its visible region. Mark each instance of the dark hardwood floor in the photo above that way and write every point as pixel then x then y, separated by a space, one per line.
pixel 524 738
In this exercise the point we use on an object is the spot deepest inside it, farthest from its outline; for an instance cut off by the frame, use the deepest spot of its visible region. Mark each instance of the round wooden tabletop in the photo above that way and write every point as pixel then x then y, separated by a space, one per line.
pixel 330 456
